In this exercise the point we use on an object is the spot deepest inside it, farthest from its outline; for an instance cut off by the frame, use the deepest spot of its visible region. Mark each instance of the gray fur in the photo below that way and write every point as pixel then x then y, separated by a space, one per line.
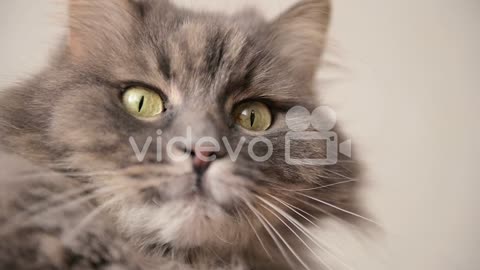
pixel 68 122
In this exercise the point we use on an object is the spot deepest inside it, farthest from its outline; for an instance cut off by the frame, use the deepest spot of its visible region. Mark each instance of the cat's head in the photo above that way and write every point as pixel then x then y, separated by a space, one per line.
pixel 134 76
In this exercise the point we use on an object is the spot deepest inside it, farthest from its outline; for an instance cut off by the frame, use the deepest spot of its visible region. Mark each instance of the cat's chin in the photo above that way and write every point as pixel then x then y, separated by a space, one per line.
pixel 186 223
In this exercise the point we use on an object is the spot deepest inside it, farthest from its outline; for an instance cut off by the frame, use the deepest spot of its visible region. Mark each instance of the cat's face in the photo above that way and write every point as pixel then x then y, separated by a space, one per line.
pixel 201 68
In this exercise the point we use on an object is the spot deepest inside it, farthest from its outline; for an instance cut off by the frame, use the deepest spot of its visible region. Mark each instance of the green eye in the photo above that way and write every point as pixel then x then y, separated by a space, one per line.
pixel 254 116
pixel 142 103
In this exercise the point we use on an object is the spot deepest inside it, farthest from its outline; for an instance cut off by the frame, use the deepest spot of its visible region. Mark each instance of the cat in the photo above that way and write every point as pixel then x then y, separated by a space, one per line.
pixel 84 187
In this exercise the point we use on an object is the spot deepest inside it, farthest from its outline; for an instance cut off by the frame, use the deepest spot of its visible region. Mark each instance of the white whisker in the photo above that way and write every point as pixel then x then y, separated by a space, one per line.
pixel 315 207
pixel 288 217
pixel 269 228
pixel 257 235
pixel 321 187
pixel 306 231
pixel 341 209
pixel 11 225
pixel 297 211
pixel 90 217
pixel 56 198
pixel 287 244
pixel 339 174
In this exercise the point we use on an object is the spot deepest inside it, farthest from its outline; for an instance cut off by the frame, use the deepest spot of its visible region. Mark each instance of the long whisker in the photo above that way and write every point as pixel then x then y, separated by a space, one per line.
pixel 256 234
pixel 331 215
pixel 90 217
pixel 338 174
pixel 297 211
pixel 264 179
pixel 321 187
pixel 18 222
pixel 99 209
pixel 57 198
pixel 220 238
pixel 341 209
pixel 287 244
pixel 69 174
pixel 276 209
pixel 305 230
pixel 269 228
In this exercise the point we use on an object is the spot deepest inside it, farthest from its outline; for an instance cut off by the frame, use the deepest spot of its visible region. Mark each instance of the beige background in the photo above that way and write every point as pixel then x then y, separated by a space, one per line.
pixel 407 89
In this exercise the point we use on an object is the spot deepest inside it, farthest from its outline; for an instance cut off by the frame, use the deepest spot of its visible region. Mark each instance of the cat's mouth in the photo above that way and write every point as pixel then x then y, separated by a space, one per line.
pixel 216 186
pixel 189 187
pixel 182 221
pixel 177 205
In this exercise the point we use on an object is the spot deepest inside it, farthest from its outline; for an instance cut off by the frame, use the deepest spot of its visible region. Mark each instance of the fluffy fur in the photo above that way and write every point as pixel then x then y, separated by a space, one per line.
pixel 71 135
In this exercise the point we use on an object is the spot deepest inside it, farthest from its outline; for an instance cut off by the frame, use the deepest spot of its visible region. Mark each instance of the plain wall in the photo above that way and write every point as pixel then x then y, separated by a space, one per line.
pixel 406 87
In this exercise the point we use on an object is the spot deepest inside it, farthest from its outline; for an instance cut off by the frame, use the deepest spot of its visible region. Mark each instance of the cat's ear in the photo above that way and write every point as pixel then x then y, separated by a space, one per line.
pixel 96 22
pixel 300 34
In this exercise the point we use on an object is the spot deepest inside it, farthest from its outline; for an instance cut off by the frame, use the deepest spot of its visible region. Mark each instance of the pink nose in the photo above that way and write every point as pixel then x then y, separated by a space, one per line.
pixel 202 160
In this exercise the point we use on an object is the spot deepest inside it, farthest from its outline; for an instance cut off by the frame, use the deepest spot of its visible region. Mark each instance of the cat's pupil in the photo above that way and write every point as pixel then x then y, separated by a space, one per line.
pixel 252 117
pixel 140 105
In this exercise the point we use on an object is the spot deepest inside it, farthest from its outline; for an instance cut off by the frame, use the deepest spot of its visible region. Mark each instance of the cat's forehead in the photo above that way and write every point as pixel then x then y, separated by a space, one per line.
pixel 201 56
pixel 199 47
pixel 204 37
